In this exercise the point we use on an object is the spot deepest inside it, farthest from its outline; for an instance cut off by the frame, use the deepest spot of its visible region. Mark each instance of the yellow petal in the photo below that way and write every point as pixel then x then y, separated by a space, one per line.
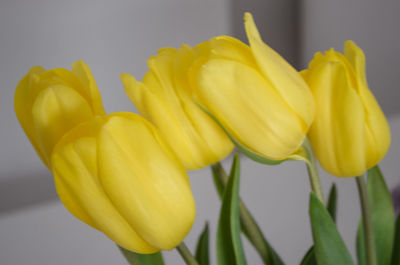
pixel 56 110
pixel 134 90
pixel 249 108
pixel 83 72
pixel 79 79
pixel 337 133
pixel 141 175
pixel 25 94
pixel 280 74
pixel 225 47
pixel 378 131
pixel 75 170
pixel 195 138
pixel 64 77
pixel 206 140
pixel 150 105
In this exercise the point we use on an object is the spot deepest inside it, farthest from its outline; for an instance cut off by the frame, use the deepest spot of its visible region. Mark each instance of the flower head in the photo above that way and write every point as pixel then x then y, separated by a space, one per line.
pixel 350 133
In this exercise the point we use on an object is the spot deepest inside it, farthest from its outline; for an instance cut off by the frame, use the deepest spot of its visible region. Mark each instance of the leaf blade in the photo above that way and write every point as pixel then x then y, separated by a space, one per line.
pixel 396 244
pixel 229 245
pixel 330 248
pixel 383 219
pixel 249 226
pixel 202 249
pixel 332 202
pixel 309 257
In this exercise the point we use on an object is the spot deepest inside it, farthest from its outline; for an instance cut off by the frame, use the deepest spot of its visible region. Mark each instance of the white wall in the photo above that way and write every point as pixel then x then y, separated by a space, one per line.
pixel 276 195
pixel 373 25
pixel 118 36
pixel 111 36
pixel 277 22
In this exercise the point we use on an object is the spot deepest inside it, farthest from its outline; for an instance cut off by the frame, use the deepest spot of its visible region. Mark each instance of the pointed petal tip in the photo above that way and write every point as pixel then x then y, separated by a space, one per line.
pixel 127 78
pixel 80 63
pixel 124 76
pixel 251 28
pixel 247 16
pixel 349 43
pixel 185 46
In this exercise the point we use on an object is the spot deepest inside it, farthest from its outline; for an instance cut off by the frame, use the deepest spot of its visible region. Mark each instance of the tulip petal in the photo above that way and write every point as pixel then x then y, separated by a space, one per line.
pixel 83 72
pixel 340 119
pixel 61 76
pixel 76 177
pixel 25 94
pixel 281 75
pixel 377 127
pixel 56 110
pixel 196 139
pixel 226 47
pixel 150 105
pixel 251 110
pixel 79 79
pixel 207 140
pixel 141 175
pixel 299 155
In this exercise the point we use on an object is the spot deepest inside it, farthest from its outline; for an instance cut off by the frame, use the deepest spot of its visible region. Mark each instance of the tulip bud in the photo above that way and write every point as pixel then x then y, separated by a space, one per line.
pixel 116 174
pixel 164 97
pixel 260 100
pixel 49 103
pixel 350 133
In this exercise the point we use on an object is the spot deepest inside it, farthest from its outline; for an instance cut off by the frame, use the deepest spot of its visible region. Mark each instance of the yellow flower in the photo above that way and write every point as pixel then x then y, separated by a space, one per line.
pixel 350 133
pixel 50 103
pixel 117 174
pixel 260 100
pixel 164 97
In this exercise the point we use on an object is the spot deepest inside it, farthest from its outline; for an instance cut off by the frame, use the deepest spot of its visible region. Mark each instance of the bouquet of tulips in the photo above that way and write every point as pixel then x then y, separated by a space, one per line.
pixel 125 174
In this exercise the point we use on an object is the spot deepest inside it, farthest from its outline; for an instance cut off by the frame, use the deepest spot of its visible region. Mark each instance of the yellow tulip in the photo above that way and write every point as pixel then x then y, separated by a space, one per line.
pixel 50 103
pixel 260 100
pixel 164 97
pixel 350 133
pixel 116 174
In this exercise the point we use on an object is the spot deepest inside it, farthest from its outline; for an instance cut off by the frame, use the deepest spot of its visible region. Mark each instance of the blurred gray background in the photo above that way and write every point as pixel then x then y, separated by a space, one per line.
pixel 118 36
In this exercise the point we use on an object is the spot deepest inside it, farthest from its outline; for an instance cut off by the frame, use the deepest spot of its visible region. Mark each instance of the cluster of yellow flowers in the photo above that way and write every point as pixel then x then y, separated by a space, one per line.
pixel 126 175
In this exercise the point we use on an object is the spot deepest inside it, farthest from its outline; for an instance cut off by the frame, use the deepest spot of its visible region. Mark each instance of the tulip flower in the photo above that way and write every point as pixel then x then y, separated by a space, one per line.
pixel 117 174
pixel 164 97
pixel 49 103
pixel 257 97
pixel 350 133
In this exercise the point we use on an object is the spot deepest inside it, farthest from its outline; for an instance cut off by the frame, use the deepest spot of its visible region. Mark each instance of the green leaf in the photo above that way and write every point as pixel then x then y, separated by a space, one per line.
pixel 229 244
pixel 142 259
pixel 248 224
pixel 299 156
pixel 309 257
pixel 202 255
pixel 396 244
pixel 383 219
pixel 332 202
pixel 330 248
pixel 276 260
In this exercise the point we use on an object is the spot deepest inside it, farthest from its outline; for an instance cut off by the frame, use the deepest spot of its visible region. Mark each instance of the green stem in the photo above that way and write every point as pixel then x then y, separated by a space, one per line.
pixel 249 226
pixel 313 171
pixel 254 234
pixel 367 222
pixel 186 255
